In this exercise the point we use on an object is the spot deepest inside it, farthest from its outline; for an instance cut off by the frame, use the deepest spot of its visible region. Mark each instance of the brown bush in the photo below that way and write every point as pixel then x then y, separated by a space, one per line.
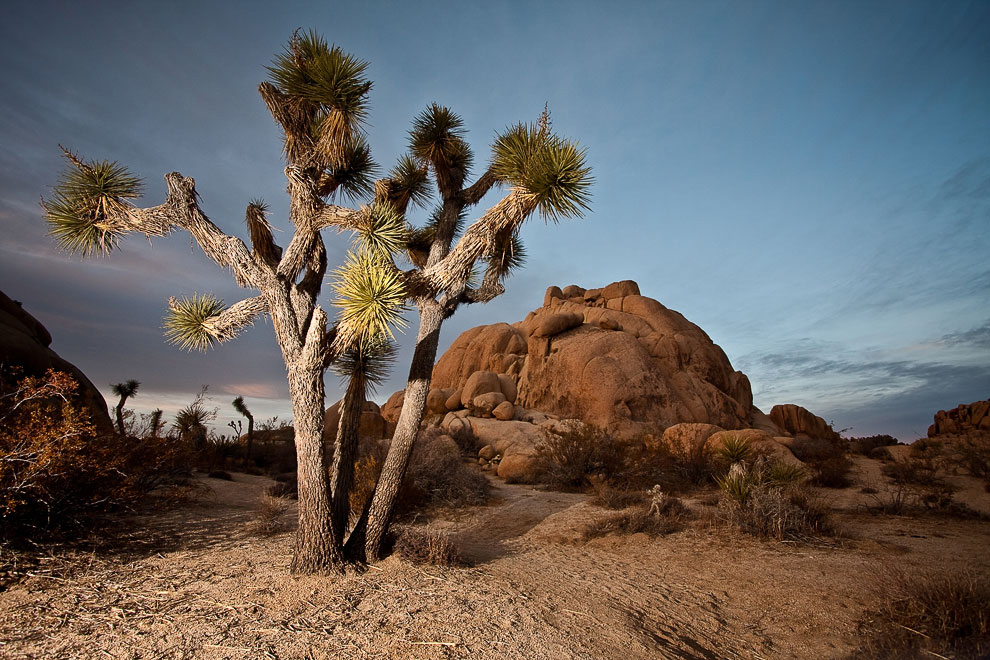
pixel 589 457
pixel 268 520
pixel 867 445
pixel 928 615
pixel 427 545
pixel 661 516
pixel 438 475
pixel 56 472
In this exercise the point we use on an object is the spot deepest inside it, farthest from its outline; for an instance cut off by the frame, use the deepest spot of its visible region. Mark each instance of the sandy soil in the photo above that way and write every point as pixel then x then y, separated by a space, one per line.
pixel 195 583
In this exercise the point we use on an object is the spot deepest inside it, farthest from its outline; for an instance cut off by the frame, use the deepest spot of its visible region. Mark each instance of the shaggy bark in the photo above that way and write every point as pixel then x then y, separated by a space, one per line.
pixel 345 449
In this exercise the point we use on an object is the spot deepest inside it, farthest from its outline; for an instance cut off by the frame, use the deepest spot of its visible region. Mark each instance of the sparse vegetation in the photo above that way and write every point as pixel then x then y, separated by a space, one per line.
pixel 268 520
pixel 427 545
pixel 663 515
pixel 931 614
pixel 767 500
pixel 734 449
pixel 57 472
pixel 866 446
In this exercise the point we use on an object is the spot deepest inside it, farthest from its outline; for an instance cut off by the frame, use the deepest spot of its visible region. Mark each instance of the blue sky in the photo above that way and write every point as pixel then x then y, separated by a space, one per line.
pixel 808 182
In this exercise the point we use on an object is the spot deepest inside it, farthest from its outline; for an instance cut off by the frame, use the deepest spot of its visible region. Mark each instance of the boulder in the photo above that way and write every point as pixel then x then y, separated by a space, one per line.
pixel 373 425
pixel 436 401
pixel 500 348
pixel 487 453
pixel 620 290
pixel 504 411
pixel 456 426
pixel 484 405
pixel 454 400
pixel 688 438
pixel 550 325
pixel 480 382
pixel 759 441
pixel 392 408
pixel 508 387
pixel 552 292
pixel 521 469
pixel 796 420
pixel 24 347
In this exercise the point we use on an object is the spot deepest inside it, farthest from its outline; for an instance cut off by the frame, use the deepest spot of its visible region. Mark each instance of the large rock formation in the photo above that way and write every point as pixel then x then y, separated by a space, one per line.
pixel 966 419
pixel 610 357
pixel 24 347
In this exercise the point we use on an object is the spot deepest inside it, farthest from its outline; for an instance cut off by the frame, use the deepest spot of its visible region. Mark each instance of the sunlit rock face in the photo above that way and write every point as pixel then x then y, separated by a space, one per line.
pixel 610 357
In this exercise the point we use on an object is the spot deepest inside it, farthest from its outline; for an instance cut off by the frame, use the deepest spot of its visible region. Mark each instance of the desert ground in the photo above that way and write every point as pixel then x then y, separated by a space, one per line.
pixel 197 582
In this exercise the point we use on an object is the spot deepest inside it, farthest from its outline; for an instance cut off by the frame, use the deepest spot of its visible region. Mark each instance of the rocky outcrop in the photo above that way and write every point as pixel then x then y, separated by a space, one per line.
pixel 609 357
pixel 964 419
pixel 798 421
pixel 24 349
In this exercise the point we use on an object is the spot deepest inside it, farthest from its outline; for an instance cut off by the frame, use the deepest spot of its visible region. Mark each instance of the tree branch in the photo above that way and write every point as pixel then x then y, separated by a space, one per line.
pixel 471 196
pixel 229 323
pixel 181 209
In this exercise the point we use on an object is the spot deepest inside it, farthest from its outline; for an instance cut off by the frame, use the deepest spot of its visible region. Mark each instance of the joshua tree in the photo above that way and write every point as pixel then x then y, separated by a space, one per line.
pixel 191 421
pixel 239 406
pixel 317 95
pixel 124 391
pixel 155 422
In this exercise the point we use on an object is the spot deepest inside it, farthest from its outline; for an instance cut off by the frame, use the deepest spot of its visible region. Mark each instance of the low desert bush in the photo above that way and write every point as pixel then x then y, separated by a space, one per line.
pixel 437 475
pixel 934 614
pixel 610 497
pixel 865 446
pixel 831 472
pixel 769 501
pixel 220 474
pixel 661 516
pixel 426 545
pixel 589 457
pixel 268 520
pixel 288 488
pixel 57 472
pixel 972 453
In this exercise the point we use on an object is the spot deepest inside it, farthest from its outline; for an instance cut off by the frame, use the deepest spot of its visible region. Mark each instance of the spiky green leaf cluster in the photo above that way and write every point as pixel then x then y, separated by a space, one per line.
pixel 85 195
pixel 411 181
pixel 509 255
pixel 382 233
pixel 125 390
pixel 371 296
pixel 369 358
pixel 551 169
pixel 437 138
pixel 354 176
pixel 190 322
pixel 240 407
pixel 311 70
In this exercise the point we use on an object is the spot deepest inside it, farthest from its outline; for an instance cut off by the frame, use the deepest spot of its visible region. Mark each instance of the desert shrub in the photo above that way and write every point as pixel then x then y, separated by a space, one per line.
pixel 268 520
pixel 831 472
pixel 865 446
pixel 57 472
pixel 914 472
pixel 220 474
pixel 770 502
pixel 437 474
pixel 928 615
pixel 287 488
pixel 610 497
pixel 734 449
pixel 927 449
pixel 588 457
pixel 972 453
pixel 663 515
pixel 576 454
pixel 427 545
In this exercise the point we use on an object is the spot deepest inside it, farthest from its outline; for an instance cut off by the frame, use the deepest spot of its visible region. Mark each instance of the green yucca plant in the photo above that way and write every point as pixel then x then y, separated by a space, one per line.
pixel 778 473
pixel 86 196
pixel 383 233
pixel 734 449
pixel 370 296
pixel 550 169
pixel 738 484
pixel 437 139
pixel 353 176
pixel 370 359
pixel 190 323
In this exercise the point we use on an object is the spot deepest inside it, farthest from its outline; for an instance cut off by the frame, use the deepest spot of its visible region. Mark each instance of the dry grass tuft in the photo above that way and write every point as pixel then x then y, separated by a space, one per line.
pixel 268 521
pixel 427 545
pixel 928 615
pixel 663 515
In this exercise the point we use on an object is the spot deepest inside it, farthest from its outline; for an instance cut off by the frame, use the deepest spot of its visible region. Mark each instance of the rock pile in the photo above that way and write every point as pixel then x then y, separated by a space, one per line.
pixel 965 419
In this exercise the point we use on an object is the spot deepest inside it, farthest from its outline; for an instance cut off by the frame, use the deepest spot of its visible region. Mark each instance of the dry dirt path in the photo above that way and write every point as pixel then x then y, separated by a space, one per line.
pixel 196 584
